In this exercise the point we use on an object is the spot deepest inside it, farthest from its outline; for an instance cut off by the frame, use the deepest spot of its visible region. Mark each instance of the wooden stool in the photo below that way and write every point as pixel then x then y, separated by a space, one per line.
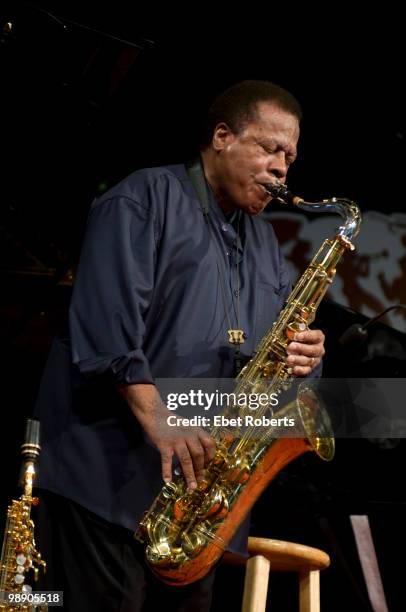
pixel 281 556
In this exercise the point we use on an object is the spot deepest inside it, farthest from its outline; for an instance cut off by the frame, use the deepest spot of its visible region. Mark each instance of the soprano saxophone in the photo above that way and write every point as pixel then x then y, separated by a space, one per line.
pixel 19 556
pixel 186 532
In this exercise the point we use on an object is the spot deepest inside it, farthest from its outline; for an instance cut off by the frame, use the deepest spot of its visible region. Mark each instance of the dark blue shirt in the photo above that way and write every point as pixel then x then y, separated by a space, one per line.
pixel 155 292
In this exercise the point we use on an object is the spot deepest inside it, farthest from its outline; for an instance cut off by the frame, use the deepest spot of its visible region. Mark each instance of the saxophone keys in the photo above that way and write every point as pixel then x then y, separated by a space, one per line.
pixel 21 559
pixel 192 544
pixel 293 328
pixel 19 579
pixel 181 507
pixel 215 505
pixel 265 371
pixel 239 471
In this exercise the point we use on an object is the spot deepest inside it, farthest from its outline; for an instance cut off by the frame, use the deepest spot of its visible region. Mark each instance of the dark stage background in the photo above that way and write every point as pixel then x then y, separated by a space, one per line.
pixel 91 93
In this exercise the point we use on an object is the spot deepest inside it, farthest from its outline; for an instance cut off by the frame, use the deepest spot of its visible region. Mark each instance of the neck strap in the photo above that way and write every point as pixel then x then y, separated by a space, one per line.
pixel 198 180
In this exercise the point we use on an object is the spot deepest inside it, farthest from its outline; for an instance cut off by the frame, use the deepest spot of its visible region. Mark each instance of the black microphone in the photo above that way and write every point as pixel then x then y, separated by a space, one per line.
pixel 355 336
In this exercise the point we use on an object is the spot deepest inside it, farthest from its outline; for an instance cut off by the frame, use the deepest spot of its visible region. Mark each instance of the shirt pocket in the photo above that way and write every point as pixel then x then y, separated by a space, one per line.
pixel 267 309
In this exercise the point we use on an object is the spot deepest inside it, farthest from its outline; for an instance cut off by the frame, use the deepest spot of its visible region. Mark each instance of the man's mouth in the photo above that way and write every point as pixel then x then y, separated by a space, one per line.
pixel 265 187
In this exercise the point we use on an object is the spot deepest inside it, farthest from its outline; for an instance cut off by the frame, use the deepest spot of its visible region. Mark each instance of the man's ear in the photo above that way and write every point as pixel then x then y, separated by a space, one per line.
pixel 221 136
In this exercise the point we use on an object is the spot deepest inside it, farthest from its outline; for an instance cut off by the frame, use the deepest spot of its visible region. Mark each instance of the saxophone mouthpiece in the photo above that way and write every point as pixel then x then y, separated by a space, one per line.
pixel 281 193
pixel 30 450
pixel 31 447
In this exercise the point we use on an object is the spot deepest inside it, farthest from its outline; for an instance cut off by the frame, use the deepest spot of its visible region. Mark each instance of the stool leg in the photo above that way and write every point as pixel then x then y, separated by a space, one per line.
pixel 309 591
pixel 256 584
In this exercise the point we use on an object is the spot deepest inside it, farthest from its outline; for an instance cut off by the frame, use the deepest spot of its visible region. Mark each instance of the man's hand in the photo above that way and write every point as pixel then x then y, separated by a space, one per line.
pixel 306 351
pixel 192 446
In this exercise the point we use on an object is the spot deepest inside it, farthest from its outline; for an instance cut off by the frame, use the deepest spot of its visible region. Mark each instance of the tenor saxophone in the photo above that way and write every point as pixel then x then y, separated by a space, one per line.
pixel 186 532
pixel 19 557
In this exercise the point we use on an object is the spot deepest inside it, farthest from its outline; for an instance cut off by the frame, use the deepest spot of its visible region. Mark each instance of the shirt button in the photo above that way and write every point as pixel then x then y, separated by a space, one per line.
pixel 224 227
pixel 236 293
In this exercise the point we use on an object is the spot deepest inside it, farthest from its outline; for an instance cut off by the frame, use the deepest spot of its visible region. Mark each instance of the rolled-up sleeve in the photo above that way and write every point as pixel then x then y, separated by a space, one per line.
pixel 113 290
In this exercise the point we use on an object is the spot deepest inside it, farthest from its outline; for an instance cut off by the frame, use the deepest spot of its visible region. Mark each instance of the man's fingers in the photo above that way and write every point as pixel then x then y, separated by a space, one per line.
pixel 197 453
pixel 310 336
pixel 166 462
pixel 309 350
pixel 302 365
pixel 301 371
pixel 306 350
pixel 192 452
pixel 303 360
pixel 186 463
pixel 208 444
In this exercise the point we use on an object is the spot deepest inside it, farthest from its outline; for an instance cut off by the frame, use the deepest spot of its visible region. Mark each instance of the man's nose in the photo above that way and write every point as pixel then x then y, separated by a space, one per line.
pixel 277 165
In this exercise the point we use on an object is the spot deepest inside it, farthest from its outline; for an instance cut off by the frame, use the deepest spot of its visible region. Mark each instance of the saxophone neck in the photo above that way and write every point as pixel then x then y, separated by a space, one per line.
pixel 347 209
pixel 344 207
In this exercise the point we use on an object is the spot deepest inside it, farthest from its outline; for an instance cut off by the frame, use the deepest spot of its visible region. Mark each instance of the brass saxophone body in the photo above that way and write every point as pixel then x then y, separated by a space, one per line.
pixel 19 554
pixel 186 533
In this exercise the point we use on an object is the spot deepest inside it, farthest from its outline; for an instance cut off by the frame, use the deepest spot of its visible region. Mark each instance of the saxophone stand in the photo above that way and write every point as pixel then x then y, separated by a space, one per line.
pixel 19 556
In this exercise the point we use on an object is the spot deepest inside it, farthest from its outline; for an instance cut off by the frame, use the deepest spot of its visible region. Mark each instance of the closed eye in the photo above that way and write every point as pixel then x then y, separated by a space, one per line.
pixel 272 149
pixel 290 159
pixel 268 149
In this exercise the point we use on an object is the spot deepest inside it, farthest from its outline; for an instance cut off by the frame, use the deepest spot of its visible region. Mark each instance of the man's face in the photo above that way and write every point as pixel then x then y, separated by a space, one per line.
pixel 261 153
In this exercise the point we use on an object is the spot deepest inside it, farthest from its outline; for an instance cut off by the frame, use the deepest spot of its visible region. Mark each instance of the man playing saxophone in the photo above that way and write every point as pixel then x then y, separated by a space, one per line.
pixel 168 286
